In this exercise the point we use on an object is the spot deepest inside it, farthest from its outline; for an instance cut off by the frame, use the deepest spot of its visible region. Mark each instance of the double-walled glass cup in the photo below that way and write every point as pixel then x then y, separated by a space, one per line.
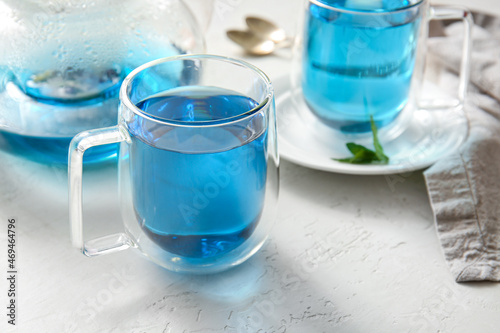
pixel 198 164
pixel 361 60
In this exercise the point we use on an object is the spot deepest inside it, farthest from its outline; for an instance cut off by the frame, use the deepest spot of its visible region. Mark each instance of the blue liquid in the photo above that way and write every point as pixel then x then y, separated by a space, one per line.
pixel 83 98
pixel 358 65
pixel 74 86
pixel 52 151
pixel 198 205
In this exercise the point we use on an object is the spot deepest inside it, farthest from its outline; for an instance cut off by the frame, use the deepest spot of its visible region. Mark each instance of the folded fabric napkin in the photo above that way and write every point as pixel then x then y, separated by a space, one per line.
pixel 464 188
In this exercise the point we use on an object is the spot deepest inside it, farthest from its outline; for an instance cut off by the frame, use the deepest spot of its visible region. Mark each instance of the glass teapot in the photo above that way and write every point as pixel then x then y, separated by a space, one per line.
pixel 62 62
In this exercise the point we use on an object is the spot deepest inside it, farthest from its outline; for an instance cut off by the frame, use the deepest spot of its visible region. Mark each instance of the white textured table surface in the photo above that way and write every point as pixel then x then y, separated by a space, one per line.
pixel 347 254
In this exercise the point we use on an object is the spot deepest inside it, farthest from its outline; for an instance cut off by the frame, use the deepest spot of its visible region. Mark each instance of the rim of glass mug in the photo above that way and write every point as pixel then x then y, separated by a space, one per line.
pixel 125 98
pixel 367 11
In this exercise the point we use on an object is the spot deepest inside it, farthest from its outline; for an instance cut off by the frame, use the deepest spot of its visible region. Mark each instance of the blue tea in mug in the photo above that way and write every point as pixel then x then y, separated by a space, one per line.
pixel 358 60
pixel 198 204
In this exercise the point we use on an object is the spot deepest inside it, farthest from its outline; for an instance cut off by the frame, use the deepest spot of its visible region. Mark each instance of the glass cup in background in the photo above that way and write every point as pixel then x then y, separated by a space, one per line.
pixel 198 164
pixel 363 59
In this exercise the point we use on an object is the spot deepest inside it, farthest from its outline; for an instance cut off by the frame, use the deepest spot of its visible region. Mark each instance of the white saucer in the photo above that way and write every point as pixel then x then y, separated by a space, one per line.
pixel 419 138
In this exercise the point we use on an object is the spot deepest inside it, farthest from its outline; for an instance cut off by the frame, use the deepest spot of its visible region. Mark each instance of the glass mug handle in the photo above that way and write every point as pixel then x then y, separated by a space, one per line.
pixel 441 13
pixel 78 146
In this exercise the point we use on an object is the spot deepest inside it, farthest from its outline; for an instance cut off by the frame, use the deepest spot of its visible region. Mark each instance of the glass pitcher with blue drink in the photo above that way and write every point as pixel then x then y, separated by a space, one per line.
pixel 62 63
pixel 363 59
pixel 198 164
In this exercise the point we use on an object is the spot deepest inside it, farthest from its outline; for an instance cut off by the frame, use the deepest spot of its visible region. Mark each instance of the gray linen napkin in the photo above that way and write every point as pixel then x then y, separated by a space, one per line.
pixel 464 188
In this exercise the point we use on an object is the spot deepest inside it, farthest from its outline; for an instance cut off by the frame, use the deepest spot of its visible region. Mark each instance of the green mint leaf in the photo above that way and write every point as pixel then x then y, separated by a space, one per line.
pixel 354 148
pixel 376 143
pixel 363 155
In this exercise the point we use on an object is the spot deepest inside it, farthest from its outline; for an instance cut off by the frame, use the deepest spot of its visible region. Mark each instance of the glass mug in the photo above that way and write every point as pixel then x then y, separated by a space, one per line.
pixel 198 164
pixel 363 59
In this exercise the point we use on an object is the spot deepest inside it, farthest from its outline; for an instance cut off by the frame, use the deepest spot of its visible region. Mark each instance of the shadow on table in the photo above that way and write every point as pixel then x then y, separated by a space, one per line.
pixel 357 194
pixel 268 293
